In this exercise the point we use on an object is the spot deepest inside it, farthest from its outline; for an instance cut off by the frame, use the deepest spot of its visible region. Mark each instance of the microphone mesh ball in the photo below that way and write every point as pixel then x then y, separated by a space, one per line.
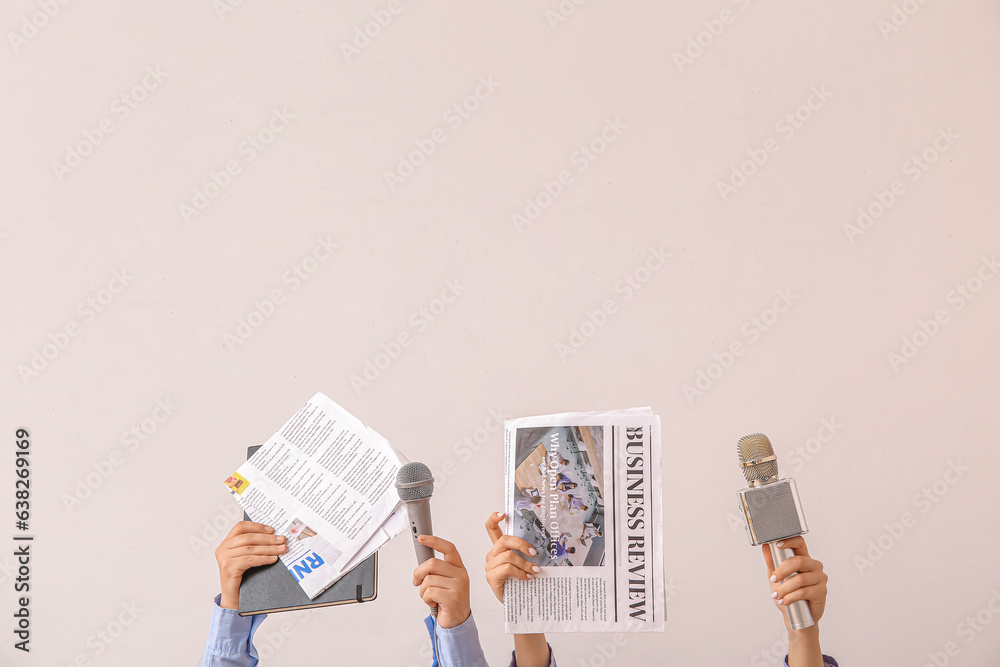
pixel 418 474
pixel 757 446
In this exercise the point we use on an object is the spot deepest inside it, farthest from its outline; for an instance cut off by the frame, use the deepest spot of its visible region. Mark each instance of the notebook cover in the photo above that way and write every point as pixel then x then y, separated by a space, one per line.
pixel 272 588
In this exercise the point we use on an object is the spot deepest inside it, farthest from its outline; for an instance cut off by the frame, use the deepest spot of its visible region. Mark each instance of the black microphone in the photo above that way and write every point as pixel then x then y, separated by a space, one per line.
pixel 415 486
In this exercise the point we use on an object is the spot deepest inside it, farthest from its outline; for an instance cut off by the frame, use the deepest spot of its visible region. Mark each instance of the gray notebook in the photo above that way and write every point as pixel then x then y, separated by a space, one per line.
pixel 272 588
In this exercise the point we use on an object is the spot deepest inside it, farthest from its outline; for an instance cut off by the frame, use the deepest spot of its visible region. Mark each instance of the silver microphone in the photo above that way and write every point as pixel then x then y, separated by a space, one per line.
pixel 771 511
pixel 415 486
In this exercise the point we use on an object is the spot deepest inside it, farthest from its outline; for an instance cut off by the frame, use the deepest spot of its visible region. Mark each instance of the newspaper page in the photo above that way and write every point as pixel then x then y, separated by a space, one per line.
pixel 584 490
pixel 325 482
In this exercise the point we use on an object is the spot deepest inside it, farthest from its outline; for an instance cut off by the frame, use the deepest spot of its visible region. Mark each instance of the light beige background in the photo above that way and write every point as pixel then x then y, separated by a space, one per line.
pixel 144 535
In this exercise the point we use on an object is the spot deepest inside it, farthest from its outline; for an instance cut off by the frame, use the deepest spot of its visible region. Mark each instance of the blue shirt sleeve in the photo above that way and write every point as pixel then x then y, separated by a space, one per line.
pixel 827 661
pixel 458 646
pixel 230 638
pixel 552 658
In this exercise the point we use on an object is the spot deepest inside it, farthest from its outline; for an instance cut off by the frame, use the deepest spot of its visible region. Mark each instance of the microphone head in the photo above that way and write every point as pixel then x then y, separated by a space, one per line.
pixel 760 465
pixel 414 481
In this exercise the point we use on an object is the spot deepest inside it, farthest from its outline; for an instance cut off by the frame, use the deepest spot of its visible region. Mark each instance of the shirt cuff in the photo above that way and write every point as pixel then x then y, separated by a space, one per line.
pixel 231 635
pixel 458 646
pixel 827 661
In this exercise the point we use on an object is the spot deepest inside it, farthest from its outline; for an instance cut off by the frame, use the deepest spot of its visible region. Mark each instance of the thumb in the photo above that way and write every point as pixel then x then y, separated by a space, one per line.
pixel 493 526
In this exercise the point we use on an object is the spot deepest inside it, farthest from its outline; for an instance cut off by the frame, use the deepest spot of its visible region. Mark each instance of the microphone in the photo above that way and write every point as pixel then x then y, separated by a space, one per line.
pixel 771 511
pixel 415 486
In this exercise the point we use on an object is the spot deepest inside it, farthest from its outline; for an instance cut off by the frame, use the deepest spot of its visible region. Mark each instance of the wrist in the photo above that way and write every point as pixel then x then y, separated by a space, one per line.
pixel 804 637
pixel 454 619
pixel 230 598
pixel 804 649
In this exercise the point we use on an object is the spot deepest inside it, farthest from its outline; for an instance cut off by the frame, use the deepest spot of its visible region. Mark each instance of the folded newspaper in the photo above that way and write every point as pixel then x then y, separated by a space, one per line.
pixel 325 482
pixel 584 490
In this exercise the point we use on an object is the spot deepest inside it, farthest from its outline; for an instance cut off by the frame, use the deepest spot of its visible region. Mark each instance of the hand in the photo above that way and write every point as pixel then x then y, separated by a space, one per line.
pixel 248 545
pixel 809 584
pixel 503 561
pixel 444 583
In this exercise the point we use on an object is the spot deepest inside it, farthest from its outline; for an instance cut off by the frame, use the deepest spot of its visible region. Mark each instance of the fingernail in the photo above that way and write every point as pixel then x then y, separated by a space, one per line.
pixel 530 576
pixel 499 513
pixel 774 579
pixel 774 595
pixel 780 544
pixel 270 529
pixel 535 568
pixel 781 601
pixel 531 550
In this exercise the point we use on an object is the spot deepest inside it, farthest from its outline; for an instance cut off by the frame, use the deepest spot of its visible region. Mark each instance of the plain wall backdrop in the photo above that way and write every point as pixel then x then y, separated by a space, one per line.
pixel 213 209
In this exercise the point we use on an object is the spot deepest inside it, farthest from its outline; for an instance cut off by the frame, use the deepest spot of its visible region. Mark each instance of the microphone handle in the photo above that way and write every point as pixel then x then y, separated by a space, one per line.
pixel 419 512
pixel 799 616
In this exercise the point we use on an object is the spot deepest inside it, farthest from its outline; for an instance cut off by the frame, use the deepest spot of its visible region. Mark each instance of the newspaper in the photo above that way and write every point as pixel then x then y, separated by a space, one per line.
pixel 584 490
pixel 325 482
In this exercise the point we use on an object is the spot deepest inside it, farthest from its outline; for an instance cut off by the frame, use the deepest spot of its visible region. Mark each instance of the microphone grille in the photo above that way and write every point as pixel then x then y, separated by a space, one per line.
pixel 751 448
pixel 414 481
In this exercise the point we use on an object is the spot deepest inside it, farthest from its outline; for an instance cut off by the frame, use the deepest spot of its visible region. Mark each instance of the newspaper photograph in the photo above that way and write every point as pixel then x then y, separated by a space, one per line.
pixel 583 489
pixel 325 482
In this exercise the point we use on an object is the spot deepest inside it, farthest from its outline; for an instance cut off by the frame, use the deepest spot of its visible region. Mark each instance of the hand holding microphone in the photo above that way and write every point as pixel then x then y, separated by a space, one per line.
pixel 772 514
pixel 444 584
pixel 808 586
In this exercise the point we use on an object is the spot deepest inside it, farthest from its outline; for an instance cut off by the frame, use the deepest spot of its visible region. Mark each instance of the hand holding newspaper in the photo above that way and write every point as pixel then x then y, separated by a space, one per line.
pixel 584 490
pixel 325 482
